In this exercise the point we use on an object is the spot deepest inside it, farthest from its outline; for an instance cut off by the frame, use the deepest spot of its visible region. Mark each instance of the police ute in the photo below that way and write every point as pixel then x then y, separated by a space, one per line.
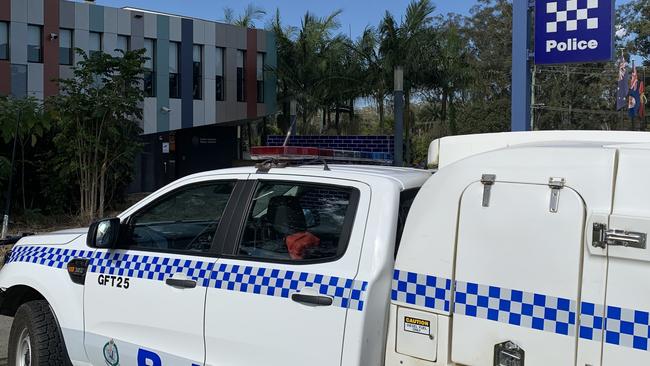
pixel 520 249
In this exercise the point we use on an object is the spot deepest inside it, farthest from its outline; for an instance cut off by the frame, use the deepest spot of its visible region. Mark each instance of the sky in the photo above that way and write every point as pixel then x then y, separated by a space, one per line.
pixel 357 14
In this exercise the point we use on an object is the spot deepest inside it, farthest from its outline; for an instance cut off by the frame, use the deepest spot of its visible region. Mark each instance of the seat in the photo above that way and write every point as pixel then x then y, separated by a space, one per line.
pixel 286 216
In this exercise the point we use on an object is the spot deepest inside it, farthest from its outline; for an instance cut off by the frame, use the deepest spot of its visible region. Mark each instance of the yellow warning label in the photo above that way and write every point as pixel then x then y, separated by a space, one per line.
pixel 415 325
pixel 416 321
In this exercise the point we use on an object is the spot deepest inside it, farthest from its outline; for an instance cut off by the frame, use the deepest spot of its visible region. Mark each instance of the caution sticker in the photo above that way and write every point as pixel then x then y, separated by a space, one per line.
pixel 415 325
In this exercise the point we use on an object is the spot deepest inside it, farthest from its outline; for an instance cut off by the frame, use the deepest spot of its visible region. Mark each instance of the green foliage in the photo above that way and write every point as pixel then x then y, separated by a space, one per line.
pixel 635 19
pixel 98 114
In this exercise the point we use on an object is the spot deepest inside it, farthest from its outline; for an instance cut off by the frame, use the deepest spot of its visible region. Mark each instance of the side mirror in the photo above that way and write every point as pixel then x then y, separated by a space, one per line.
pixel 104 234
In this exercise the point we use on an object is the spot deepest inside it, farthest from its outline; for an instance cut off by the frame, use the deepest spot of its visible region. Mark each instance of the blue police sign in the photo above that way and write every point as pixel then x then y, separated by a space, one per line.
pixel 568 31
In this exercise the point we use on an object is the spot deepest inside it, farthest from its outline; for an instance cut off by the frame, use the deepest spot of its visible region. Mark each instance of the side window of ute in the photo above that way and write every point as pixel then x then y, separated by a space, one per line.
pixel 298 222
pixel 183 220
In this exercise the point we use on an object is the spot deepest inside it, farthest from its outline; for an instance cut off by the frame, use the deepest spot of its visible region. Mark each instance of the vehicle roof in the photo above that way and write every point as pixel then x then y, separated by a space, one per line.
pixel 450 149
pixel 407 178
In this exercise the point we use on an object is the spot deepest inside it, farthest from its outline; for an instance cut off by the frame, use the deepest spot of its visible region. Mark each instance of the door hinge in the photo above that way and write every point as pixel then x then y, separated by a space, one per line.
pixel 556 185
pixel 602 237
pixel 488 181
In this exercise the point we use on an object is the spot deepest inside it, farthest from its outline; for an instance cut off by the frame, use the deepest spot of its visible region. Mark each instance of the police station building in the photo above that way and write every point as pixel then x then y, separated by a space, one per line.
pixel 203 80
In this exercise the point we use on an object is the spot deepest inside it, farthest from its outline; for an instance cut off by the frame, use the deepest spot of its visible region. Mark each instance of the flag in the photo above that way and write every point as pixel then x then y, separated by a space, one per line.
pixel 634 97
pixel 623 85
pixel 643 100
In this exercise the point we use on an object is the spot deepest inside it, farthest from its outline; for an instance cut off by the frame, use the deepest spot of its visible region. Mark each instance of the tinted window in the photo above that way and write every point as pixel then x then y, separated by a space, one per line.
pixel 405 203
pixel 4 41
pixel 185 220
pixel 94 43
pixel 65 47
pixel 298 222
pixel 34 43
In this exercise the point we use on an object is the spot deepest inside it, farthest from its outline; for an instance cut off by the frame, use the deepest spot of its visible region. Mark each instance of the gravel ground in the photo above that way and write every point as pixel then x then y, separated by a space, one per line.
pixel 5 326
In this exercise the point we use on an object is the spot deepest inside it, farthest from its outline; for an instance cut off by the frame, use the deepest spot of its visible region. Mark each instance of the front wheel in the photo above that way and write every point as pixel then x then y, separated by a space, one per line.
pixel 35 339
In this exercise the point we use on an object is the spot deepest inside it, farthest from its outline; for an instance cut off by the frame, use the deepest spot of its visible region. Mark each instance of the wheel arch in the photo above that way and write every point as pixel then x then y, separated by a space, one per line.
pixel 17 295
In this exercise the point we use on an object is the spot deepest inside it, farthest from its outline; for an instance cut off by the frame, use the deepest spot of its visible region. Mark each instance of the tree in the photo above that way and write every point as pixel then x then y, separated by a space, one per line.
pixel 33 124
pixel 98 112
pixel 635 19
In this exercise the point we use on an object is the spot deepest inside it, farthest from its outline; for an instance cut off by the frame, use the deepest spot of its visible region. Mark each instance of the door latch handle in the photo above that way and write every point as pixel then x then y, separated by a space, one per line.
pixel 602 237
pixel 318 300
pixel 175 282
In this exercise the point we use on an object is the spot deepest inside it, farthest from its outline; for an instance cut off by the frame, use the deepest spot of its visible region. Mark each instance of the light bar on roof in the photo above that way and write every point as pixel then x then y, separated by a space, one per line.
pixel 312 153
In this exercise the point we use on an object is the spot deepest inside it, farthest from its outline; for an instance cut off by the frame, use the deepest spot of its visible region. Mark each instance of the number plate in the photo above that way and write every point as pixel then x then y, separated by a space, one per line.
pixel 508 354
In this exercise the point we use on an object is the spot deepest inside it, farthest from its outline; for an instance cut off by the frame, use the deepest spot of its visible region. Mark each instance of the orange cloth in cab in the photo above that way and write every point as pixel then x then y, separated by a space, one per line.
pixel 298 243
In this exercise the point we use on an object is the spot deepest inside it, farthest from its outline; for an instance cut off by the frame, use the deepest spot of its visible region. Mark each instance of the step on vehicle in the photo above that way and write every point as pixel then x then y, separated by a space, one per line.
pixel 522 249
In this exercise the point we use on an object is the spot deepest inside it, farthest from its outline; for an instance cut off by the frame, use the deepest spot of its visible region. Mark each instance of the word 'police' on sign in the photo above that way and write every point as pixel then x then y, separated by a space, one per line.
pixel 568 31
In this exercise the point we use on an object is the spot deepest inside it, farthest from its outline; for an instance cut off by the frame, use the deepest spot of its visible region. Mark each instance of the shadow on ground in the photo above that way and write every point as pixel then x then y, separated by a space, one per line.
pixel 5 327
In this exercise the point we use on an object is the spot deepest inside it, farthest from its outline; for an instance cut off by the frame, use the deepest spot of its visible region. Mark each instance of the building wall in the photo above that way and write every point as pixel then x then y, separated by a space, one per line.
pixel 161 113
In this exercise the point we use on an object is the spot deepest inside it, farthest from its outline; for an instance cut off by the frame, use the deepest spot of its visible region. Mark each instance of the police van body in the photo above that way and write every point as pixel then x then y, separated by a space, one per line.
pixel 523 249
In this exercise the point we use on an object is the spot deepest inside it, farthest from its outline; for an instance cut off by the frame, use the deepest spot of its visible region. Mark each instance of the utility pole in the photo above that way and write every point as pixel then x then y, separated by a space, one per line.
pixel 5 219
pixel 398 106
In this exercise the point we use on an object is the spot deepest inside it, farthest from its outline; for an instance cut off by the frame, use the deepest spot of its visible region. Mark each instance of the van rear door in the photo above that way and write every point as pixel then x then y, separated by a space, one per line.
pixel 518 274
pixel 627 326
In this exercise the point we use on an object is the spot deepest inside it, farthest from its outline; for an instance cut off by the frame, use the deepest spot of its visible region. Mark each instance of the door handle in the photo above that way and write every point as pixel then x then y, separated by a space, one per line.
pixel 318 300
pixel 182 283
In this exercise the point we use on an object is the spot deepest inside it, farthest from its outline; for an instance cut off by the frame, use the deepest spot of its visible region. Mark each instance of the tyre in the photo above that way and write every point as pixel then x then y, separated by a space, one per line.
pixel 35 339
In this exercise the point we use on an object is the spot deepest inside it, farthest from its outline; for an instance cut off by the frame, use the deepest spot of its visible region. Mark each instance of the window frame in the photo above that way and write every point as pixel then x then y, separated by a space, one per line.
pixel 177 92
pixel 70 50
pixel 221 97
pixel 261 97
pixel 236 233
pixel 8 28
pixel 40 29
pixel 101 42
pixel 242 93
pixel 128 42
pixel 198 95
pixel 219 235
pixel 152 71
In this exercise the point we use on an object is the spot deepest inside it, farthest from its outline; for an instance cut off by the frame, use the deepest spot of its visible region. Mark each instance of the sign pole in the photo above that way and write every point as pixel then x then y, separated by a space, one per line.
pixel 521 75
pixel 398 110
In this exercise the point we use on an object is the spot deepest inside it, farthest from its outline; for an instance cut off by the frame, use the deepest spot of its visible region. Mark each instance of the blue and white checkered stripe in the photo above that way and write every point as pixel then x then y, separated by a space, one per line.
pixel 620 326
pixel 514 307
pixel 627 328
pixel 421 290
pixel 346 293
pixel 46 256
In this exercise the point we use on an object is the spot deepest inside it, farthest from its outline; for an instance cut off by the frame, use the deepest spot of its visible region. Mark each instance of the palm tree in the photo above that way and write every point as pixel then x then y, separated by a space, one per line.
pixel 247 19
pixel 409 44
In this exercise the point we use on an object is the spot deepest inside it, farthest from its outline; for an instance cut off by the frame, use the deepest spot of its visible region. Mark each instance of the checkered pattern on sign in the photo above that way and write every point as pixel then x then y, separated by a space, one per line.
pixel 514 307
pixel 571 14
pixel 346 293
pixel 627 328
pixel 422 290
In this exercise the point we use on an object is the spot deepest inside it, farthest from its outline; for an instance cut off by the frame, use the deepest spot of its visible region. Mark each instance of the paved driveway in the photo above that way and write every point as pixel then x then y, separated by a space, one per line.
pixel 5 326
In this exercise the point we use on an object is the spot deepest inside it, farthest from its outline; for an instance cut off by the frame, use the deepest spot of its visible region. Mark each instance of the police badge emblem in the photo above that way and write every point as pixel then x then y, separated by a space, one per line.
pixel 111 354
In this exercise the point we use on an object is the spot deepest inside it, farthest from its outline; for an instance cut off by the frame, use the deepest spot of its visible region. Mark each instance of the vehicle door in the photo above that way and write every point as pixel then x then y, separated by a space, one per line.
pixel 518 274
pixel 281 292
pixel 627 325
pixel 144 302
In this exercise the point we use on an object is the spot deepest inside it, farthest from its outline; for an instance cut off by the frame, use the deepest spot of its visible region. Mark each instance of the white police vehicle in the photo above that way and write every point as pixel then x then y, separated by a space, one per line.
pixel 523 249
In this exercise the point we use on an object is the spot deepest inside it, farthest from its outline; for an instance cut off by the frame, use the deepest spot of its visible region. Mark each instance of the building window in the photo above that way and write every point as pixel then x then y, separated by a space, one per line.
pixel 34 43
pixel 174 77
pixel 65 46
pixel 122 43
pixel 197 72
pixel 4 41
pixel 241 76
pixel 94 43
pixel 149 66
pixel 260 77
pixel 220 77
